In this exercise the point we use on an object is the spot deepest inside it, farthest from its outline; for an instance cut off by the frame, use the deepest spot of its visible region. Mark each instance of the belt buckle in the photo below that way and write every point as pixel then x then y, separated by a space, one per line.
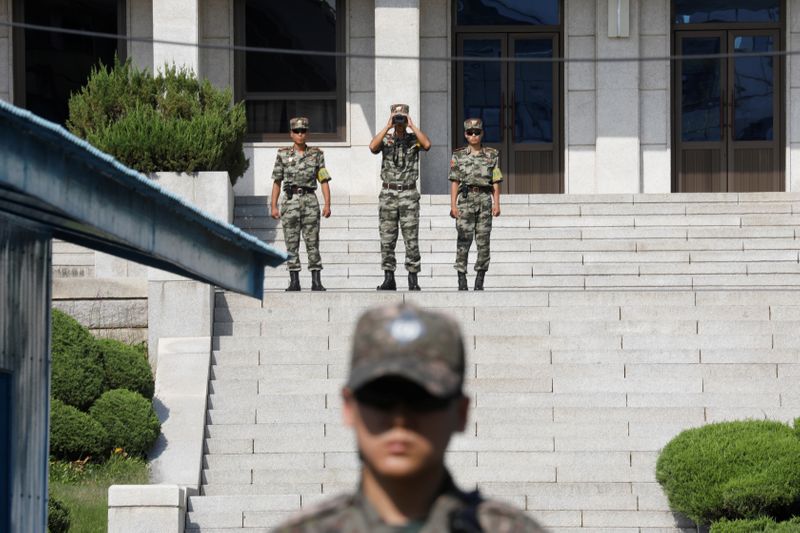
pixel 301 191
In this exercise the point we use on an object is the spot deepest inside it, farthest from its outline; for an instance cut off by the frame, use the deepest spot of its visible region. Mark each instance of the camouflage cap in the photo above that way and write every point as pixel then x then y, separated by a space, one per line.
pixel 298 122
pixel 473 123
pixel 399 109
pixel 404 341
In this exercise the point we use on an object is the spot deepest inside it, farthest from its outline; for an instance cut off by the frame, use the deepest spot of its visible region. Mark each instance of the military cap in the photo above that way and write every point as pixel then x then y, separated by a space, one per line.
pixel 399 109
pixel 473 123
pixel 298 122
pixel 401 340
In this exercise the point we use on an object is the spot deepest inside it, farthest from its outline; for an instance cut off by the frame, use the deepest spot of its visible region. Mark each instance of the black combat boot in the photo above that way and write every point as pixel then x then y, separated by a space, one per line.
pixel 412 282
pixel 388 282
pixel 479 280
pixel 294 281
pixel 316 282
pixel 462 281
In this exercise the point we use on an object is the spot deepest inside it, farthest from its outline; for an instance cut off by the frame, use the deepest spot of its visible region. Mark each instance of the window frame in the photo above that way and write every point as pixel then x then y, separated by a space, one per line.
pixel 340 94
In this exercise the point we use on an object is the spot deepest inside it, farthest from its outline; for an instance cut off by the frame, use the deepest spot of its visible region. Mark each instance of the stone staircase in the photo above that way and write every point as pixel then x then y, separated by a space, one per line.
pixel 640 316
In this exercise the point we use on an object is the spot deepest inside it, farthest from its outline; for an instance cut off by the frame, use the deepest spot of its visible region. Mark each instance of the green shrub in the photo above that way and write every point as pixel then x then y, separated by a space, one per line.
pixel 129 419
pixel 758 525
pixel 58 519
pixel 77 377
pixel 125 367
pixel 74 434
pixel 743 469
pixel 170 122
pixel 797 427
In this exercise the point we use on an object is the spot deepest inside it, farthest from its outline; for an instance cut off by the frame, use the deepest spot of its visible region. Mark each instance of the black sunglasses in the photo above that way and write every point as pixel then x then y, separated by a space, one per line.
pixel 388 396
pixel 300 130
pixel 474 131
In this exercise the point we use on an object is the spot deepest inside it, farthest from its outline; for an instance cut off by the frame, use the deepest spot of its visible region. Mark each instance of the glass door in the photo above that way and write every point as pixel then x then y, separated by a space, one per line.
pixel 728 116
pixel 519 103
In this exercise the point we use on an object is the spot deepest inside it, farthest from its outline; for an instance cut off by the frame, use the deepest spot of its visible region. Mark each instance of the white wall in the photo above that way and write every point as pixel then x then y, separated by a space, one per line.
pixel 435 84
pixel 140 24
pixel 792 112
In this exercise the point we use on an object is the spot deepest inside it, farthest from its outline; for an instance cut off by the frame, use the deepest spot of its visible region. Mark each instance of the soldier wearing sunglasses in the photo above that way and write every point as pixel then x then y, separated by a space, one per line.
pixel 474 199
pixel 297 171
pixel 404 401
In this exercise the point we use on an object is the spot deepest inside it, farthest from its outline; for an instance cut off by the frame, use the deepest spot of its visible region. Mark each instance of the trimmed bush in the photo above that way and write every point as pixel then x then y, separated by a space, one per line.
pixel 74 434
pixel 58 519
pixel 744 469
pixel 77 377
pixel 170 122
pixel 125 367
pixel 129 419
pixel 759 525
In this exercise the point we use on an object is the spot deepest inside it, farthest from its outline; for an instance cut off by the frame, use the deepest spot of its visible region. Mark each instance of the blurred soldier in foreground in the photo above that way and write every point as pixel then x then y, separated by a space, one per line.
pixel 298 169
pixel 404 401
pixel 399 198
pixel 474 199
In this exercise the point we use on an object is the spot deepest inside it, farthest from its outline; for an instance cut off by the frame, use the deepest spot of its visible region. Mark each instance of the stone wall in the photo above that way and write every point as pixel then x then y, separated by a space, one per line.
pixel 6 77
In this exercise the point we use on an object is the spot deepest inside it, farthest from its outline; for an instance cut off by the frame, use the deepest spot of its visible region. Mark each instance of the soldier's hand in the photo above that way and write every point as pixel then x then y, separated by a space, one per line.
pixel 410 122
pixel 389 123
pixel 496 210
pixel 326 211
pixel 453 212
pixel 275 213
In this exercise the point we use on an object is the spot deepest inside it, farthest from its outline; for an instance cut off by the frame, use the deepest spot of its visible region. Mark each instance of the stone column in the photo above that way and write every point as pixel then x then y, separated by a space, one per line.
pixel 176 20
pixel 397 80
pixel 617 160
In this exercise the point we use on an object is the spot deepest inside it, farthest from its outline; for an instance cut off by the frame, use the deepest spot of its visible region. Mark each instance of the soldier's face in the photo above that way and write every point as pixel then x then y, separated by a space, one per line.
pixel 474 136
pixel 400 438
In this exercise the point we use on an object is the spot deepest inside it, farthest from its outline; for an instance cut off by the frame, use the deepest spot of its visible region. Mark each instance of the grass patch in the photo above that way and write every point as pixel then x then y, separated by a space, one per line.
pixel 83 488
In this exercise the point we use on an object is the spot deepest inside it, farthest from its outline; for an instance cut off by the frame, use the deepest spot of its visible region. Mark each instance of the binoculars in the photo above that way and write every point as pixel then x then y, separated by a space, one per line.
pixel 399 119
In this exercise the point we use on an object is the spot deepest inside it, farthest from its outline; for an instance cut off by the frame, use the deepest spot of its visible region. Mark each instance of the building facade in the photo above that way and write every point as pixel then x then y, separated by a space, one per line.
pixel 620 124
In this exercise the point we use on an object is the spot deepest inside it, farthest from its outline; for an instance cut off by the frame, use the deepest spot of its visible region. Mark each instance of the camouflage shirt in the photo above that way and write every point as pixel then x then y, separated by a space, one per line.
pixel 479 169
pixel 453 511
pixel 400 162
pixel 300 170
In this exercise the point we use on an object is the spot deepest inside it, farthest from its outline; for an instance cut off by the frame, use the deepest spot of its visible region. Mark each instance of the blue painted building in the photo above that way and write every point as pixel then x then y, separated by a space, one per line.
pixel 54 185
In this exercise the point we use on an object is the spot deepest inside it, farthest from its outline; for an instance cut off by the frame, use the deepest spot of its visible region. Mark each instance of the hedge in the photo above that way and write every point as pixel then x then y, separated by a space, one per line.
pixel 735 470
pixel 759 525
pixel 129 419
pixel 58 516
pixel 168 122
pixel 77 377
pixel 125 367
pixel 75 434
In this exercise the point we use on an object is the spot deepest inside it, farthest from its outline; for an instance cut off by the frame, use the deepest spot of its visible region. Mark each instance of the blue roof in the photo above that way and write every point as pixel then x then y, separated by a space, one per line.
pixel 59 181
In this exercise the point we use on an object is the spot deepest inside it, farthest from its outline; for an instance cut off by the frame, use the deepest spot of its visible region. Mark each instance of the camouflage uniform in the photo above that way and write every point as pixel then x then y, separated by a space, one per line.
pixel 475 209
pixel 425 348
pixel 300 213
pixel 399 168
pixel 453 511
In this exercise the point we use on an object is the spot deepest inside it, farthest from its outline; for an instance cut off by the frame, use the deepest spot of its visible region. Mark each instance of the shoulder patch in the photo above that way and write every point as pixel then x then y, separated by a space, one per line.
pixel 314 513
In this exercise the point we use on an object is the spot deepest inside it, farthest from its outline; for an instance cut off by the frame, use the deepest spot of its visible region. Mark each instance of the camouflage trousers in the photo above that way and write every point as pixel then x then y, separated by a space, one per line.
pixel 301 215
pixel 399 209
pixel 474 221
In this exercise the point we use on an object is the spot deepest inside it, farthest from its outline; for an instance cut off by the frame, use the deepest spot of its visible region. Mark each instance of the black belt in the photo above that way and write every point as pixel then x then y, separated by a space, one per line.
pixel 475 188
pixel 397 187
pixel 302 190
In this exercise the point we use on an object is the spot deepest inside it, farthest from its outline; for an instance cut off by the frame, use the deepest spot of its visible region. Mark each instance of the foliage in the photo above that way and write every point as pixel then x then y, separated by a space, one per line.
pixel 74 434
pixel 77 378
pixel 125 367
pixel 129 419
pixel 83 487
pixel 758 525
pixel 744 469
pixel 168 122
pixel 58 516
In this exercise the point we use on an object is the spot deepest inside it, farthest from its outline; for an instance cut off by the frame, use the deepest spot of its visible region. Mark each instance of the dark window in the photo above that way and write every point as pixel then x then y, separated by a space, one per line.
pixel 700 91
pixel 5 451
pixel 507 12
pixel 482 86
pixel 50 66
pixel 753 89
pixel 277 87
pixel 710 11
pixel 533 90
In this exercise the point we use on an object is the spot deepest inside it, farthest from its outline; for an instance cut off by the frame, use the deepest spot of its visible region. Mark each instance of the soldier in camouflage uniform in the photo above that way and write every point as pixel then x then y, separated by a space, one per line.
pixel 404 401
pixel 474 199
pixel 399 198
pixel 297 171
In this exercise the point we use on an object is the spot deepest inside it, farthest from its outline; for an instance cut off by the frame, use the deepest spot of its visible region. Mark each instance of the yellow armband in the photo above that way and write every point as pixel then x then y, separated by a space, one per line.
pixel 497 175
pixel 322 175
